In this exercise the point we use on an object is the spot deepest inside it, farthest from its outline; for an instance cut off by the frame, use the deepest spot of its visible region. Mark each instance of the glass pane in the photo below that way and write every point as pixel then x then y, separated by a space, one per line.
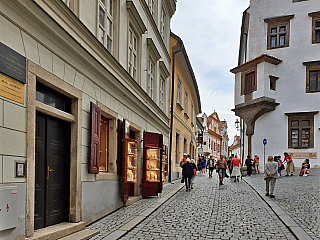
pixel 295 138
pixel 312 80
pixel 109 44
pixel 134 74
pixel 282 29
pixel 103 2
pixel 294 123
pixel 101 34
pixel 101 17
pixel 305 137
pixel 273 30
pixel 134 60
pixel 52 98
pixel 318 36
pixel 282 40
pixel 317 24
pixel 273 41
pixel 109 27
pixel 130 55
pixel 109 9
pixel 134 43
pixel 305 123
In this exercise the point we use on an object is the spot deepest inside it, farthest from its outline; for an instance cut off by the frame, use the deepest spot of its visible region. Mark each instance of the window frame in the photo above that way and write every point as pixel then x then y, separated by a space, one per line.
pixel 278 22
pixel 315 18
pixel 151 78
pixel 162 93
pixel 108 33
pixel 307 116
pixel 186 102
pixel 179 91
pixel 310 67
pixel 133 50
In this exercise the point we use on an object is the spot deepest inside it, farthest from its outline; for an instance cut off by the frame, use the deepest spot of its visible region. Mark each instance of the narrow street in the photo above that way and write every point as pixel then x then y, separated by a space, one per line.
pixel 231 211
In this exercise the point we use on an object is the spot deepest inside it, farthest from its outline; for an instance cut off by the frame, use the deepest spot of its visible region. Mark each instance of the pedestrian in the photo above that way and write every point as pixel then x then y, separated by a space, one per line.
pixel 290 166
pixel 221 168
pixel 236 168
pixel 229 165
pixel 203 165
pixel 187 173
pixel 256 163
pixel 182 162
pixel 199 165
pixel 210 165
pixel 305 168
pixel 281 165
pixel 276 159
pixel 193 164
pixel 270 176
pixel 249 162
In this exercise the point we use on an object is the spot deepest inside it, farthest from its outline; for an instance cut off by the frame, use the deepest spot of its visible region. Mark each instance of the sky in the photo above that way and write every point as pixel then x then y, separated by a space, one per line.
pixel 210 31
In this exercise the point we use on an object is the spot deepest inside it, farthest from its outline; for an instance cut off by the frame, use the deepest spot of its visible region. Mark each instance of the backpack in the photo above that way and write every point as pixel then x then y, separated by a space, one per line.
pixel 181 164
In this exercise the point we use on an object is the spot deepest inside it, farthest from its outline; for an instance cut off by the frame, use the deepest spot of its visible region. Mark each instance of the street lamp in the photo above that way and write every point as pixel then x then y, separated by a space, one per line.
pixel 237 124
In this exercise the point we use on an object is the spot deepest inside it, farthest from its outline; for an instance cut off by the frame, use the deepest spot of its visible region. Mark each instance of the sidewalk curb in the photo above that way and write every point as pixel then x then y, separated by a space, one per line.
pixel 295 229
pixel 123 230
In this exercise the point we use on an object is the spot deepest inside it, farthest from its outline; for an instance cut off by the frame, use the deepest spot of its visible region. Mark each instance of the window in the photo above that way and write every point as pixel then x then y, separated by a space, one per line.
pixel 186 102
pixel 132 54
pixel 273 81
pixel 278 32
pixel 179 90
pixel 104 144
pixel 314 81
pixel 315 27
pixel 105 31
pixel 299 1
pixel 177 148
pixel 301 130
pixel 191 113
pixel 185 145
pixel 151 6
pixel 162 94
pixel 163 24
pixel 250 83
pixel 150 78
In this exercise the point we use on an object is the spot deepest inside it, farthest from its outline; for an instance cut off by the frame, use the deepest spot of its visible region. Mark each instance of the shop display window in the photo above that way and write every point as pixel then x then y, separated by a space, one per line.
pixel 131 155
pixel 153 165
pixel 164 166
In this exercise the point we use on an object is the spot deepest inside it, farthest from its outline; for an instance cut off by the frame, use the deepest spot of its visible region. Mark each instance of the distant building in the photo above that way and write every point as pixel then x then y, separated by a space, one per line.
pixel 214 131
pixel 277 80
pixel 234 149
pixel 199 132
pixel 224 138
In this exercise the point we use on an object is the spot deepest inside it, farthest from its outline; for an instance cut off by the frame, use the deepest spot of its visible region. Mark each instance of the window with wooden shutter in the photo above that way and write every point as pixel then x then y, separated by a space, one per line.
pixel 250 82
pixel 94 162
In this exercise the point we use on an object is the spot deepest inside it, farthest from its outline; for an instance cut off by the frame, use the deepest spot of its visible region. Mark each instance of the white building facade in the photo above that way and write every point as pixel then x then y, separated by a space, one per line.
pixel 277 80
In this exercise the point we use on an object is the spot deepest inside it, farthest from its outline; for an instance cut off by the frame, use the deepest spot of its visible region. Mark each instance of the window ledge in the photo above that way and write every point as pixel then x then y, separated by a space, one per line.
pixel 179 105
pixel 186 115
pixel 271 48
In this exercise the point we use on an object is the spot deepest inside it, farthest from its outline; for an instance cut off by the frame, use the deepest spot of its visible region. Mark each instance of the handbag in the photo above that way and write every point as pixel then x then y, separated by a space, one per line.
pixel 194 172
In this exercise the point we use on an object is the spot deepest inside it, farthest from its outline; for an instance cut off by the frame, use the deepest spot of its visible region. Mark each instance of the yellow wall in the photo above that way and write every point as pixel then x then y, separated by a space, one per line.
pixel 183 126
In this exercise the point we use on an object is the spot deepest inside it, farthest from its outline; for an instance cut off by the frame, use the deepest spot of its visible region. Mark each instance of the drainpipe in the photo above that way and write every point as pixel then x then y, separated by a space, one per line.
pixel 171 111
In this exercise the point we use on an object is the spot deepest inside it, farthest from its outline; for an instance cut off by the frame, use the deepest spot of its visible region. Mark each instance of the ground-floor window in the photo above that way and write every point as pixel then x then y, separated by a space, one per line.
pixel 177 148
pixel 301 130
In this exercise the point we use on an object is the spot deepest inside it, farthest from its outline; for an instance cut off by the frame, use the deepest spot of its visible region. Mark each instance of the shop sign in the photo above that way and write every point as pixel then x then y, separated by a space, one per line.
pixel 11 89
pixel 12 64
pixel 303 155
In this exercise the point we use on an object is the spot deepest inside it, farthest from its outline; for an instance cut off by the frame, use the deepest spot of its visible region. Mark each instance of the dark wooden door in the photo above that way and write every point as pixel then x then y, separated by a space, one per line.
pixel 52 171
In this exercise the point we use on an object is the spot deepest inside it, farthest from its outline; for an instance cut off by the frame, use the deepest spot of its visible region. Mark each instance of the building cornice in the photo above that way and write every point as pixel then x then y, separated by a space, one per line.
pixel 279 18
pixel 164 71
pixel 254 62
pixel 135 17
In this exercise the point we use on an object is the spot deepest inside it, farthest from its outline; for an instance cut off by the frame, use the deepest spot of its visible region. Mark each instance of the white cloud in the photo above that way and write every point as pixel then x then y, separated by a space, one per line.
pixel 210 30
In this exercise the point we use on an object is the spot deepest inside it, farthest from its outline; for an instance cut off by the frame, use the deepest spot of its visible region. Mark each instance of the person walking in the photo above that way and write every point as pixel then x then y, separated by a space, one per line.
pixel 182 162
pixel 270 176
pixel 290 166
pixel 256 163
pixel 194 168
pixel 281 166
pixel 210 166
pixel 203 165
pixel 221 168
pixel 236 167
pixel 187 173
pixel 199 165
pixel 249 162
pixel 229 165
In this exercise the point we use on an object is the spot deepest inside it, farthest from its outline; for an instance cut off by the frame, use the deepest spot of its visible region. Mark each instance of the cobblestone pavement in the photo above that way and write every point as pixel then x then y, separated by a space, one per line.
pixel 233 211
pixel 299 197
pixel 119 218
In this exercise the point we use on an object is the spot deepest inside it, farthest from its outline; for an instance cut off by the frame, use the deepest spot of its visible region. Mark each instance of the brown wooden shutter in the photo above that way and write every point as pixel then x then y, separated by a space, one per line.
pixel 120 157
pixel 95 139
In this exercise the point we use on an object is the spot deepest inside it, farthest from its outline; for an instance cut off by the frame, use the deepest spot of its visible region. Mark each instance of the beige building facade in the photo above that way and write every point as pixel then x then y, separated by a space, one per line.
pixel 185 105
pixel 80 56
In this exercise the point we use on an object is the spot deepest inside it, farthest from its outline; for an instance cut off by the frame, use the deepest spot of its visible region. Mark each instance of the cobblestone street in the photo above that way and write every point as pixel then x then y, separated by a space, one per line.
pixel 299 197
pixel 233 211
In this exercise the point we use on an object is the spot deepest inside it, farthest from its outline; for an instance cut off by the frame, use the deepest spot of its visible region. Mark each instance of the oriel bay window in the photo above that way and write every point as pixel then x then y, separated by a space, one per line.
pixel 105 31
pixel 301 130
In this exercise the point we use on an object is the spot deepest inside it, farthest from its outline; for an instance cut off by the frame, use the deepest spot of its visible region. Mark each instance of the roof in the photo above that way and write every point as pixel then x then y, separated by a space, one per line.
pixel 262 58
pixel 189 67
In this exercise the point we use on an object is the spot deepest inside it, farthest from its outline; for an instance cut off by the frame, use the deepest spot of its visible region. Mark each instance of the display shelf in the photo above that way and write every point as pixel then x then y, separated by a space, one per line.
pixel 153 170
pixel 154 181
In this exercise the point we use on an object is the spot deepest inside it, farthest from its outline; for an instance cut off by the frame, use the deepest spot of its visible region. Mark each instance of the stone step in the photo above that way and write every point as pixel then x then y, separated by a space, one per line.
pixel 57 231
pixel 82 235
